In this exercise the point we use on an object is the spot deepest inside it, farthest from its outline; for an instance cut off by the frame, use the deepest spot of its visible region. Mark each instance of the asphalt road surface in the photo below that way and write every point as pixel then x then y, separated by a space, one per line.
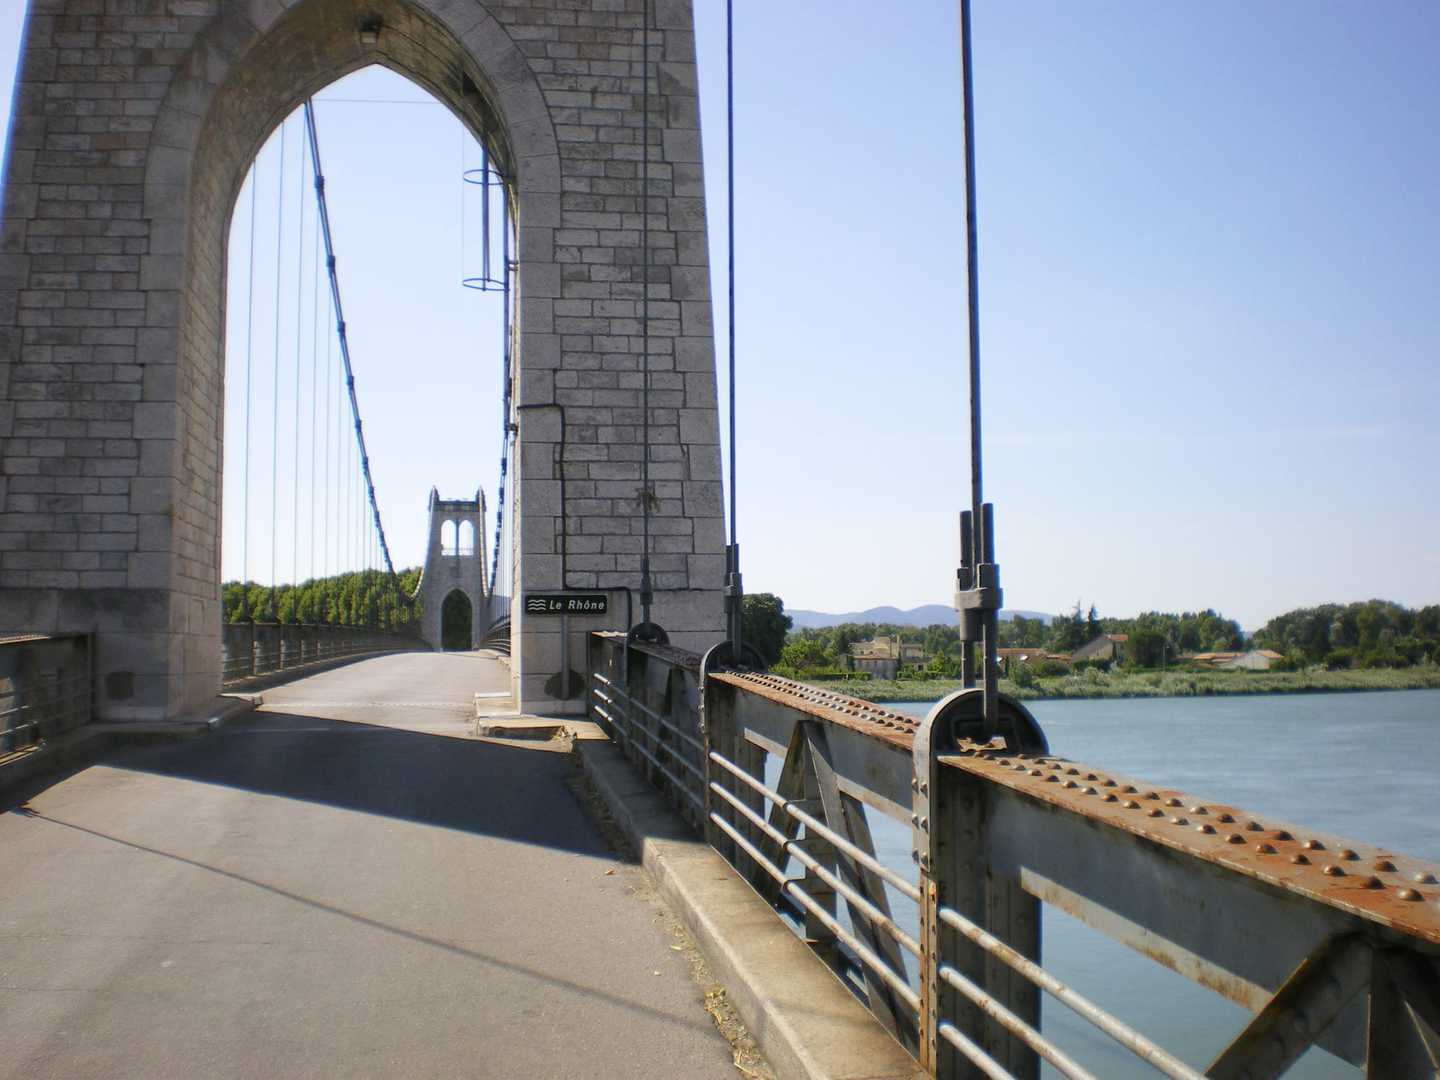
pixel 342 884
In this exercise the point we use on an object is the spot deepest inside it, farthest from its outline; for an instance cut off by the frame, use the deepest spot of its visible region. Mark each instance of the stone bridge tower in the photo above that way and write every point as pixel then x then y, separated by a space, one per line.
pixel 454 573
pixel 134 126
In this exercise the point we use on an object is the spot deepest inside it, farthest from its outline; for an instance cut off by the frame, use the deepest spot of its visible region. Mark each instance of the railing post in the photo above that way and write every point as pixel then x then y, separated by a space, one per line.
pixel 716 725
pixel 933 829
pixel 949 827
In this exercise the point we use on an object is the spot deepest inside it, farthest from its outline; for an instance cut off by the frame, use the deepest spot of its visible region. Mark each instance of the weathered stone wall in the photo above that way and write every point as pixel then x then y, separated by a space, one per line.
pixel 134 125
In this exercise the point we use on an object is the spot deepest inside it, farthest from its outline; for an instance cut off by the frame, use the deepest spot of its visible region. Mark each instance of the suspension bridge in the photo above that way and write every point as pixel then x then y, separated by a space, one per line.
pixel 343 876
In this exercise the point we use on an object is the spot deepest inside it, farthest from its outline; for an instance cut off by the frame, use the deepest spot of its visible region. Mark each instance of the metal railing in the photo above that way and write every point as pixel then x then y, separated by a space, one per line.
pixel 46 688
pixel 249 650
pixel 1324 941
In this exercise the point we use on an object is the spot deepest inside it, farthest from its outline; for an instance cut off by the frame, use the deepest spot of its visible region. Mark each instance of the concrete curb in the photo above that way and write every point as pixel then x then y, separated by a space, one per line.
pixel 807 1023
pixel 85 744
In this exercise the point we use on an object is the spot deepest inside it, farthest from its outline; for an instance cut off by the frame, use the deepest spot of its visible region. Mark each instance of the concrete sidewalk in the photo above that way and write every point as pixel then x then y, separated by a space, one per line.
pixel 343 883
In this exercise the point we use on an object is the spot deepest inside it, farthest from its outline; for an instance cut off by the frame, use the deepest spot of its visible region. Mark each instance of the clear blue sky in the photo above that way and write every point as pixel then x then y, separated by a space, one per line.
pixel 1210 290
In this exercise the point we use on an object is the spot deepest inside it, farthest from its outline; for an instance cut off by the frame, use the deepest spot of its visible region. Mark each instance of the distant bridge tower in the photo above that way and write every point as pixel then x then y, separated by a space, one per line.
pixel 453 602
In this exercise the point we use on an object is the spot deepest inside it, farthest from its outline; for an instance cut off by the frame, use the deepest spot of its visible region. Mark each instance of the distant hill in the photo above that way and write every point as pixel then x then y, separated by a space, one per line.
pixel 925 615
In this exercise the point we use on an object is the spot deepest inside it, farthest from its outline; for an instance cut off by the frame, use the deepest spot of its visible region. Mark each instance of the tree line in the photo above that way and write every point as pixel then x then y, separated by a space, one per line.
pixel 1155 637
pixel 369 598
pixel 1365 634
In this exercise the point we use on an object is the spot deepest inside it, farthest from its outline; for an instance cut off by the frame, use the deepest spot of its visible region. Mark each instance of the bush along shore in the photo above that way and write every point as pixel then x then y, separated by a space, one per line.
pixel 1094 683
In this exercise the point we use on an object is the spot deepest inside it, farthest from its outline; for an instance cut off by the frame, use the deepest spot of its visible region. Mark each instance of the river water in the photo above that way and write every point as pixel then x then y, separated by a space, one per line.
pixel 1362 766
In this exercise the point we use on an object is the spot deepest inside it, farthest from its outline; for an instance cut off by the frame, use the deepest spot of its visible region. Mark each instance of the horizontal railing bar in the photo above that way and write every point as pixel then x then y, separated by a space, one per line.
pixel 657 717
pixel 896 982
pixel 982 1061
pixel 873 913
pixel 680 785
pixel 691 766
pixel 1018 1027
pixel 858 854
pixel 669 724
pixel 1122 1033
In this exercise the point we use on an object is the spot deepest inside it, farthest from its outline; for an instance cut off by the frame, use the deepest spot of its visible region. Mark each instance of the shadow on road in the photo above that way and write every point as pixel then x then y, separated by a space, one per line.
pixel 478 787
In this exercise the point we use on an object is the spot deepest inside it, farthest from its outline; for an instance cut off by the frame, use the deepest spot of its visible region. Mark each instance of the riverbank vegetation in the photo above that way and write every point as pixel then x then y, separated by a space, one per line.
pixel 1095 683
pixel 1370 645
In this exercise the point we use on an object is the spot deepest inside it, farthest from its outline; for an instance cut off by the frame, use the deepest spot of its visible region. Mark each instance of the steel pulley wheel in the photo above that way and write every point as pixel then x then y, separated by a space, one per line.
pixel 647 633
pixel 961 717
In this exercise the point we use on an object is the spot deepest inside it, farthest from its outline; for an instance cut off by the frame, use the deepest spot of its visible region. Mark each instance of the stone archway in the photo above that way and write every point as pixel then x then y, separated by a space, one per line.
pixel 112 307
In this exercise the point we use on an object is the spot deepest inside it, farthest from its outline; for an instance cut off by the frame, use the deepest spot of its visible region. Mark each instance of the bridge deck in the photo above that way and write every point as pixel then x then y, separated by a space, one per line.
pixel 344 883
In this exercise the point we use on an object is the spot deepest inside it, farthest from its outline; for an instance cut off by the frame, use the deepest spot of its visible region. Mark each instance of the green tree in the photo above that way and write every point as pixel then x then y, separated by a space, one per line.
pixel 1145 647
pixel 806 654
pixel 1067 633
pixel 766 624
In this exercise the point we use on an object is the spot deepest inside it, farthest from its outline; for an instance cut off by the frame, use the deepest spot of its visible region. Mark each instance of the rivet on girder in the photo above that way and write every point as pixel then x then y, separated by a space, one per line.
pixel 1130 804
pixel 1130 789
pixel 1235 838
pixel 1226 818
pixel 1333 871
pixel 1091 791
pixel 1384 865
pixel 1425 878
pixel 1300 860
pixel 1157 812
pixel 1199 810
pixel 1173 802
pixel 1281 834
pixel 1207 828
pixel 1091 776
pixel 1313 845
pixel 1052 779
pixel 1265 849
pixel 1034 772
pixel 1409 894
pixel 1071 784
pixel 1177 820
pixel 1374 883
pixel 1348 855
pixel 1109 797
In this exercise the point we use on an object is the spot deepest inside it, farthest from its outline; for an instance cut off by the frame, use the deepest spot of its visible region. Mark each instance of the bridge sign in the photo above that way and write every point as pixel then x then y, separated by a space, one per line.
pixel 566 603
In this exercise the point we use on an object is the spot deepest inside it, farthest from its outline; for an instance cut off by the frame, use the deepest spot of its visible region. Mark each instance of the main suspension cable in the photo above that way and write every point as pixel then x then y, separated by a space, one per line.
pixel 340 329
